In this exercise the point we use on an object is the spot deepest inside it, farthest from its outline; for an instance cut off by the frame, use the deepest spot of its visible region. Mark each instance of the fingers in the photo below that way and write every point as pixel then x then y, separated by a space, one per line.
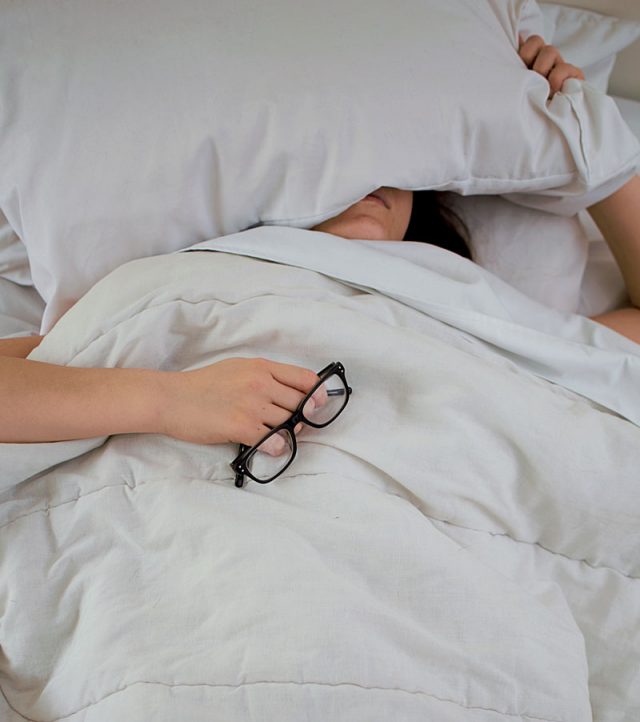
pixel 285 397
pixel 294 376
pixel 236 400
pixel 277 444
pixel 271 394
pixel 274 392
pixel 562 72
pixel 537 56
pixel 274 446
pixel 547 61
pixel 320 395
pixel 530 48
pixel 273 415
pixel 250 434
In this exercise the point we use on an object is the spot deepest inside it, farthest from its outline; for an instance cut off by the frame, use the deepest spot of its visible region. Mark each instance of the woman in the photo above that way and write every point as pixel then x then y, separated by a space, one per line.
pixel 409 216
pixel 239 400
pixel 386 214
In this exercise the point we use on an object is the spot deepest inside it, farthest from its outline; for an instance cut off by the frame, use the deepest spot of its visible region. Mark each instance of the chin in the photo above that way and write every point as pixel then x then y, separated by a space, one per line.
pixel 365 228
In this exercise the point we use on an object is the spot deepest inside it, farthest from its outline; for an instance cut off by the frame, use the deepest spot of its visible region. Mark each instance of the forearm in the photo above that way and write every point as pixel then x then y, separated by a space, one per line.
pixel 618 218
pixel 45 402
pixel 625 321
pixel 236 400
pixel 19 347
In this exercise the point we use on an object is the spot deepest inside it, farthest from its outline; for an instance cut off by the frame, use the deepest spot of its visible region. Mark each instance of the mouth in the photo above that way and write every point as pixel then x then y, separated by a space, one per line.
pixel 377 197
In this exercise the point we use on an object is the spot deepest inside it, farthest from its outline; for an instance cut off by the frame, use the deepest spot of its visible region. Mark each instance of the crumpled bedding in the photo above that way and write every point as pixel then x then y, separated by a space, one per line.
pixel 461 544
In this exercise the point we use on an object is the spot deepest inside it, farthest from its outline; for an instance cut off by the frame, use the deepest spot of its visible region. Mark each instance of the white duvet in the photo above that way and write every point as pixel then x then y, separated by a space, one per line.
pixel 462 544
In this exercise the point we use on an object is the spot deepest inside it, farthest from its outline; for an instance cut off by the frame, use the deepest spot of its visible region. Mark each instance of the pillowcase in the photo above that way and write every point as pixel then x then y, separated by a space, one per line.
pixel 587 39
pixel 139 128
pixel 603 288
pixel 541 254
pixel 591 41
pixel 546 256
pixel 20 309
pixel 14 263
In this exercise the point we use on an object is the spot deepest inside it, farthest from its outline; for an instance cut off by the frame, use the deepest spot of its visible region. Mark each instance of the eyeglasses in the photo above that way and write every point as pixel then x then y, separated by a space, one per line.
pixel 267 459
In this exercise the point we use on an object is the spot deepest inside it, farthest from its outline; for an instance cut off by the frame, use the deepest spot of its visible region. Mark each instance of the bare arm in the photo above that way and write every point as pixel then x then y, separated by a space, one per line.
pixel 235 400
pixel 19 347
pixel 625 321
pixel 618 218
pixel 46 402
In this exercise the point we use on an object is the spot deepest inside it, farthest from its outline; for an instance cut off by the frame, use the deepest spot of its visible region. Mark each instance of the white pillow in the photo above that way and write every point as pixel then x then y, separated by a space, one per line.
pixel 132 129
pixel 20 309
pixel 591 41
pixel 541 254
pixel 547 256
pixel 603 288
pixel 14 262
pixel 587 39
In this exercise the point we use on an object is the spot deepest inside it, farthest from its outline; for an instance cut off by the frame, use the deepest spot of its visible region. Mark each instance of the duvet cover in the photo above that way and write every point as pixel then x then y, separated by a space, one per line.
pixel 462 544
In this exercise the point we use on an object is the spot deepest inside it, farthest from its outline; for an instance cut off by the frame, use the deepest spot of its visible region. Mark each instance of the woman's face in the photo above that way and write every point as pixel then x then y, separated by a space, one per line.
pixel 382 216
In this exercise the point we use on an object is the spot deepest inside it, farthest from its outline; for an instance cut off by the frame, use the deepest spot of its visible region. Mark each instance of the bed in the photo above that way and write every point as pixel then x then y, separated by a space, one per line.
pixel 461 544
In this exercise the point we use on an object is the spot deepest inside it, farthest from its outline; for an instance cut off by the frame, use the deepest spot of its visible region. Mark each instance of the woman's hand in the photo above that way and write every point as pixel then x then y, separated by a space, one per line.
pixel 547 61
pixel 237 400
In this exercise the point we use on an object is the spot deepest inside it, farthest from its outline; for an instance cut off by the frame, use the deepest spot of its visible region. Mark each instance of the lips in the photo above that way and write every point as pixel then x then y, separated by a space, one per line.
pixel 377 197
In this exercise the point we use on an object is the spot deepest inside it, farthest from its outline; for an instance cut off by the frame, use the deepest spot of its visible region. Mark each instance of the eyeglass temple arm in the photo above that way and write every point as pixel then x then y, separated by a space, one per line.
pixel 239 480
pixel 338 392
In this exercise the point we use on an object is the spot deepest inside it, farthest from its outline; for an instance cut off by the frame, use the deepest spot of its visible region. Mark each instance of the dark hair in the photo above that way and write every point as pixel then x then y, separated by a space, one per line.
pixel 433 221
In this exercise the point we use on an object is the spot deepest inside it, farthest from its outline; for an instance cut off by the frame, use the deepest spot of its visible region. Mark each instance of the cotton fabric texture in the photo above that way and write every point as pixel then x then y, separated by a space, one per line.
pixel 587 39
pixel 541 253
pixel 461 544
pixel 135 129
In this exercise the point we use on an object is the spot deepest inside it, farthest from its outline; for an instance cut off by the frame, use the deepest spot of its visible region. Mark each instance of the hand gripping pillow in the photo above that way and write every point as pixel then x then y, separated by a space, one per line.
pixel 587 39
pixel 542 254
pixel 138 128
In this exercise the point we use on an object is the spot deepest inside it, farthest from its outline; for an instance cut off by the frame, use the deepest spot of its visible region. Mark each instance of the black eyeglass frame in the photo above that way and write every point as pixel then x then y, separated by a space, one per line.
pixel 240 463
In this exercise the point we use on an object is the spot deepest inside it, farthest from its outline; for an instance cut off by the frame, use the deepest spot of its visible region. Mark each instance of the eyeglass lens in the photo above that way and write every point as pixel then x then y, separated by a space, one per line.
pixel 271 457
pixel 326 402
